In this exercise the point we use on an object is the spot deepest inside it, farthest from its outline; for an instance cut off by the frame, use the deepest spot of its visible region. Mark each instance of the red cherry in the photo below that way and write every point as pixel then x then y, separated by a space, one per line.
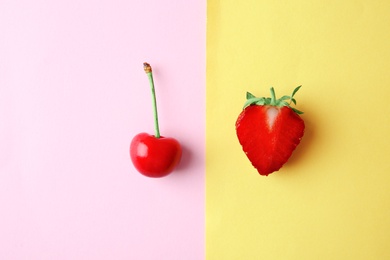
pixel 154 157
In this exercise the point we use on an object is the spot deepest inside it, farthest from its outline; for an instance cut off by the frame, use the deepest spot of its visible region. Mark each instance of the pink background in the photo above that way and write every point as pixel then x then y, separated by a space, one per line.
pixel 72 95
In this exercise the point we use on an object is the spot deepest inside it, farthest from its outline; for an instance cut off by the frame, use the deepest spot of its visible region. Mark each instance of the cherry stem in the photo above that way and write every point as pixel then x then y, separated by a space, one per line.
pixel 148 70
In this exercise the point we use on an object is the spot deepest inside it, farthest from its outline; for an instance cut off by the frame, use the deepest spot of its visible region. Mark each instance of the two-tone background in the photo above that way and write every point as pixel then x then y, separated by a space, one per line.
pixel 73 93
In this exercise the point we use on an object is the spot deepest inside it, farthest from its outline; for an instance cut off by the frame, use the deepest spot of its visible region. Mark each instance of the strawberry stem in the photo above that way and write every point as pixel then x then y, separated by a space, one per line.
pixel 148 70
pixel 273 97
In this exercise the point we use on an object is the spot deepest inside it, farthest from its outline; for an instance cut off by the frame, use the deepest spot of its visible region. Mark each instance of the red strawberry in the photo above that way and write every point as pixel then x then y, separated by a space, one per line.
pixel 269 130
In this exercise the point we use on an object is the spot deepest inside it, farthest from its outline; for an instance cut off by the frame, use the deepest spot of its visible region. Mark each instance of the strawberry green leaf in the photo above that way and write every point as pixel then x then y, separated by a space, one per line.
pixel 249 95
pixel 252 101
pixel 261 102
pixel 296 111
pixel 282 104
pixel 294 101
pixel 285 98
pixel 272 101
pixel 295 90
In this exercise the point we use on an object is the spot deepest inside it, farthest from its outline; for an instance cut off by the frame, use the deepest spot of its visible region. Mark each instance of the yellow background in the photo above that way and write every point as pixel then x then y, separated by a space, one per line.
pixel 332 199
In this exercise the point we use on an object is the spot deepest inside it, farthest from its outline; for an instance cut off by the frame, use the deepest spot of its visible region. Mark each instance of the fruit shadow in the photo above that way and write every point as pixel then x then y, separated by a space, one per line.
pixel 185 161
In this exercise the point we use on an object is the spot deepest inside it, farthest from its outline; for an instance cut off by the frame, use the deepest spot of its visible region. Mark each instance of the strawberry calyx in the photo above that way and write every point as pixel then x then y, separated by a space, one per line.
pixel 284 101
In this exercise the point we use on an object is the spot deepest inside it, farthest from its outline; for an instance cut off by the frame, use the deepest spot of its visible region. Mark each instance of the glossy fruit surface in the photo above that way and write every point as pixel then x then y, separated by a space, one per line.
pixel 154 157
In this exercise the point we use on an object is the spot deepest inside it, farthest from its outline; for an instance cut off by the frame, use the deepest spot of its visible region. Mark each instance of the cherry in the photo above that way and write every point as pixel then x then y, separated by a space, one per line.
pixel 154 155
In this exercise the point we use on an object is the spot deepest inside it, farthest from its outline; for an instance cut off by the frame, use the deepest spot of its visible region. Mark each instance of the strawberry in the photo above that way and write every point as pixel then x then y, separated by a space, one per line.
pixel 269 130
